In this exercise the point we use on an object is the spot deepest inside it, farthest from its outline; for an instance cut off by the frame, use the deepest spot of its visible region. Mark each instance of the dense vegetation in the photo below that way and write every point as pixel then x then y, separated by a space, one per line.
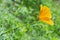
pixel 19 20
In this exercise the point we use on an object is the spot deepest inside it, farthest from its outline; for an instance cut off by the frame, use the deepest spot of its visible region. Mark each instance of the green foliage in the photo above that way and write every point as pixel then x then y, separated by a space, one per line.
pixel 19 20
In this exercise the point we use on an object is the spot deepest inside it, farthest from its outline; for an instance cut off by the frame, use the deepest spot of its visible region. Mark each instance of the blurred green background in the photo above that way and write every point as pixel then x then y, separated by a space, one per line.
pixel 19 20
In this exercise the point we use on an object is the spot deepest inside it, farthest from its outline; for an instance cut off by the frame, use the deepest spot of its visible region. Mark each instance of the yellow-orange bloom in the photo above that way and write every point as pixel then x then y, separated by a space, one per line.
pixel 45 15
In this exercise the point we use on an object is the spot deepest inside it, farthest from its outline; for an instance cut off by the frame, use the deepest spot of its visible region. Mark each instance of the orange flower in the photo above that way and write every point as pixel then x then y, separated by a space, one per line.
pixel 45 15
